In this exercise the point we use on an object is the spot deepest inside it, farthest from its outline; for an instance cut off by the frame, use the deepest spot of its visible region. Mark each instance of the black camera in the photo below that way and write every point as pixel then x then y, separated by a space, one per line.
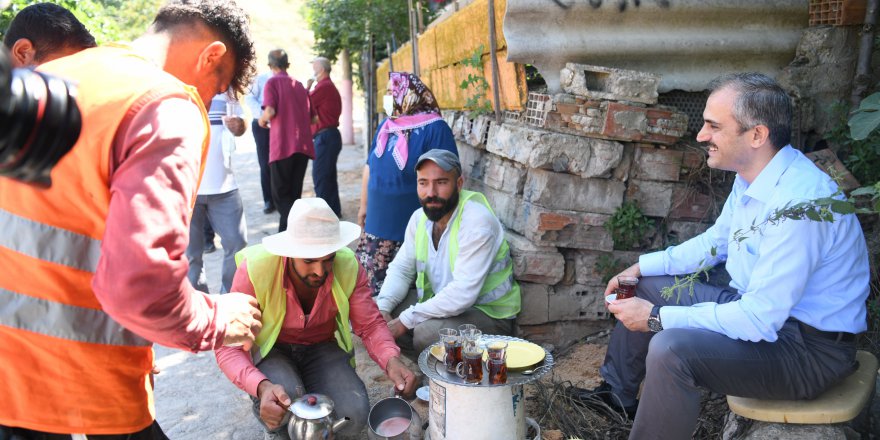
pixel 39 122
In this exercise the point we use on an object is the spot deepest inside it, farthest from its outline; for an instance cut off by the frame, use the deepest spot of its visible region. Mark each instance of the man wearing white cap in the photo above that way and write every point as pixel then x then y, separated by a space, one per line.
pixel 455 253
pixel 313 293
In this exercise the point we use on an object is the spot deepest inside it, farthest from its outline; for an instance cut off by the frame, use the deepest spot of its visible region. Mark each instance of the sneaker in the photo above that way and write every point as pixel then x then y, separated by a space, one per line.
pixel 268 208
pixel 602 393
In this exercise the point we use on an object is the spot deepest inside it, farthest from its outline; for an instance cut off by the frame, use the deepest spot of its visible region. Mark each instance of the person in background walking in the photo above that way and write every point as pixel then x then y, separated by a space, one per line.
pixel 326 106
pixel 388 185
pixel 218 202
pixel 286 108
pixel 254 101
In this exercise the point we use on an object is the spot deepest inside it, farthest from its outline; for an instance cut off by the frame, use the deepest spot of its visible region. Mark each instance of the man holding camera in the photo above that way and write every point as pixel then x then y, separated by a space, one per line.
pixel 94 267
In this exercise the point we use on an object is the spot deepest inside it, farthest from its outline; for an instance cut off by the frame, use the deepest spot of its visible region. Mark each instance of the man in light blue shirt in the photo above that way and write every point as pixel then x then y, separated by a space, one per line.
pixel 785 326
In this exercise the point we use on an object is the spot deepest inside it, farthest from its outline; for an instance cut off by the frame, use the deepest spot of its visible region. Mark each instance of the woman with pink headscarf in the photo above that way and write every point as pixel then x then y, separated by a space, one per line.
pixel 388 189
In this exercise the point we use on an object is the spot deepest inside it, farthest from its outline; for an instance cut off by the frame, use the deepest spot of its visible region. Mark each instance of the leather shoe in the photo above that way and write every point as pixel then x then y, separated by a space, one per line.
pixel 604 394
pixel 268 208
pixel 210 247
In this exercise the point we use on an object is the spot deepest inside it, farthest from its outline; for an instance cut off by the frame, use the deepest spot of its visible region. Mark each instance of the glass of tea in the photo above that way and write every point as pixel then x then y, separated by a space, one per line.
pixel 496 362
pixel 471 367
pixel 452 346
pixel 626 287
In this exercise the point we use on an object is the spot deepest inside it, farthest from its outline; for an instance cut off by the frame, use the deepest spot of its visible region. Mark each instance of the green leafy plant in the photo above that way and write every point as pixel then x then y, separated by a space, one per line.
pixel 608 266
pixel 629 228
pixel 858 139
pixel 477 103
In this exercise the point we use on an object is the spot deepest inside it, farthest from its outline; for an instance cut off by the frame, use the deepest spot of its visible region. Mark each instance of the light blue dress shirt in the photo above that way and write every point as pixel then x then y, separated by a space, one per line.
pixel 254 97
pixel 816 272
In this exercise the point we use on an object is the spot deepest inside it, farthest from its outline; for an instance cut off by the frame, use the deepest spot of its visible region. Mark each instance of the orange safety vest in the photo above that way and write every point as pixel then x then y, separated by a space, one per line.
pixel 65 365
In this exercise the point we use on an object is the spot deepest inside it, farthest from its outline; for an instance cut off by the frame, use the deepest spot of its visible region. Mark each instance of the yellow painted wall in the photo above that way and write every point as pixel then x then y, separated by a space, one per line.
pixel 441 50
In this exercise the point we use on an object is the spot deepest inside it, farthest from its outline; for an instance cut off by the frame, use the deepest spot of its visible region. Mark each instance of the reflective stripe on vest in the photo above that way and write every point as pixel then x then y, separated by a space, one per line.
pixel 499 296
pixel 54 245
pixel 63 321
pixel 266 273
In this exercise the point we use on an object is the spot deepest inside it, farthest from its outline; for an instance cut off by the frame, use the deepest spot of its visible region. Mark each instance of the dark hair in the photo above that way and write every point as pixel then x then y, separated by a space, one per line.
pixel 278 58
pixel 760 101
pixel 225 18
pixel 50 28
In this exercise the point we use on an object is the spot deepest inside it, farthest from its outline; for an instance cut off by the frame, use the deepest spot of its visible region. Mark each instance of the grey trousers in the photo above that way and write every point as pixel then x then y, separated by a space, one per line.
pixel 322 369
pixel 226 215
pixel 676 363
pixel 413 342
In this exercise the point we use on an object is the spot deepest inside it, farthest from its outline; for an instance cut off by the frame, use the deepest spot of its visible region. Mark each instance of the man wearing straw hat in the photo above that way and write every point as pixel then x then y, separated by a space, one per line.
pixel 313 293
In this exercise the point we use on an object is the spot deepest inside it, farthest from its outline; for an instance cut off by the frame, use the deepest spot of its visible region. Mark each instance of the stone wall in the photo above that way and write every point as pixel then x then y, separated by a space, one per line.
pixel 554 185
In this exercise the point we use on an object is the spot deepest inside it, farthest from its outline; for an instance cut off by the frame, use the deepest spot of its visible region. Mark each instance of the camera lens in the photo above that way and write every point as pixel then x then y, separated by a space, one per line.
pixel 39 123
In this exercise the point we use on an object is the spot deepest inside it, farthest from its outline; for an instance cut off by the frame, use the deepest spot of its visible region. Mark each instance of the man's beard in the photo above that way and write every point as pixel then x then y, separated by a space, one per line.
pixel 446 205
pixel 311 280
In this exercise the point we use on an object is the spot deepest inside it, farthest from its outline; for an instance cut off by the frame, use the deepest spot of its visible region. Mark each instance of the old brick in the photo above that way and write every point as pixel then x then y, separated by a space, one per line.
pixel 625 122
pixel 692 160
pixel 565 191
pixel 503 174
pixel 534 263
pixel 827 161
pixel 567 109
pixel 535 304
pixel 656 164
pixel 577 302
pixel 607 83
pixel 536 148
pixel 653 198
pixel 688 204
pixel 562 228
pixel 479 131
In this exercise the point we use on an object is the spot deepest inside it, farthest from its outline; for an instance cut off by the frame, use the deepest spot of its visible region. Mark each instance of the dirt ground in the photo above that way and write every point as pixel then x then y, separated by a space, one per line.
pixel 195 401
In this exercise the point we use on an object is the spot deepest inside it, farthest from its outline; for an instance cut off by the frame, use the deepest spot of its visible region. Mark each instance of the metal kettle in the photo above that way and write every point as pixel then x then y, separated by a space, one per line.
pixel 310 418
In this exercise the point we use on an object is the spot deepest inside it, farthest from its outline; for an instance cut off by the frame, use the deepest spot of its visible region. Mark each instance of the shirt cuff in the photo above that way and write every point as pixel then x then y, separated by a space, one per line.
pixel 407 319
pixel 674 317
pixel 651 265
pixel 252 382
pixel 384 304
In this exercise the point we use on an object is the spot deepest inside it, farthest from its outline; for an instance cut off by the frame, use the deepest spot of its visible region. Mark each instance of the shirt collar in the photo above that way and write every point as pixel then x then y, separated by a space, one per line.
pixel 763 186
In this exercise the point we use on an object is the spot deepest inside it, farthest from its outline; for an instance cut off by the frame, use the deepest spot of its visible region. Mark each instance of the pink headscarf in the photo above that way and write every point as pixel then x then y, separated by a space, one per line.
pixel 416 108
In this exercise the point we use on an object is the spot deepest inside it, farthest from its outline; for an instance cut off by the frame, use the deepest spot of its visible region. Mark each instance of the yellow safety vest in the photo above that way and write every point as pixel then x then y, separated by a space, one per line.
pixel 266 272
pixel 499 297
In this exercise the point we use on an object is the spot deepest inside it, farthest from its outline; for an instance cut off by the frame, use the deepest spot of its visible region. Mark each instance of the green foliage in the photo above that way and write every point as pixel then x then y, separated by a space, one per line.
pixel 608 266
pixel 107 20
pixel 859 140
pixel 343 24
pixel 477 103
pixel 629 228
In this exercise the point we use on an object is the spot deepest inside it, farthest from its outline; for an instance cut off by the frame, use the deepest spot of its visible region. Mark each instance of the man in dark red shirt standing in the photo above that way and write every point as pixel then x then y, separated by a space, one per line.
pixel 286 115
pixel 326 106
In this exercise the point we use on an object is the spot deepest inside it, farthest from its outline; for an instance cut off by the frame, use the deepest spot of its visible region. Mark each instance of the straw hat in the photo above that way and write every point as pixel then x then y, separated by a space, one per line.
pixel 313 231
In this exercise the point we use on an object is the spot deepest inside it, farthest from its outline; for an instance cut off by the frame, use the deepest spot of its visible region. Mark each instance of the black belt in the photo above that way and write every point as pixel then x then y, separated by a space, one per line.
pixel 834 336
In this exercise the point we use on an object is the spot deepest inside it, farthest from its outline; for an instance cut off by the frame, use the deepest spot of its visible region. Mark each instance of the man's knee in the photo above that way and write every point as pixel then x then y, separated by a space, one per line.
pixel 356 407
pixel 668 350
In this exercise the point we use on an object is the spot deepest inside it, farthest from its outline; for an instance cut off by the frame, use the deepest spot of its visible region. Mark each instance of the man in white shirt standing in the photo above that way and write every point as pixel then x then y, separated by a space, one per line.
pixel 455 252
pixel 218 200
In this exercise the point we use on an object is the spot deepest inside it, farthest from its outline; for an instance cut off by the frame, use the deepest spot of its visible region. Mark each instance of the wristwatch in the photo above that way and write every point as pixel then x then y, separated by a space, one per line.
pixel 654 323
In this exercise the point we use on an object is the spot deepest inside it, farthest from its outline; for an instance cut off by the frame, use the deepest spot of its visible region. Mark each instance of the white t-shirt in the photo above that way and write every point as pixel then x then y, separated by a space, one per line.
pixel 218 177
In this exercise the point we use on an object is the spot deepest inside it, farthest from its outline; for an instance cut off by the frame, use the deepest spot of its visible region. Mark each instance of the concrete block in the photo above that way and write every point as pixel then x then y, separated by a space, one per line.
pixel 479 131
pixel 653 198
pixel 449 116
pixel 692 160
pixel 565 191
pixel 688 204
pixel 461 127
pixel 503 174
pixel 507 207
pixel 561 228
pixel 536 148
pixel 535 304
pixel 620 121
pixel 473 163
pixel 608 83
pixel 656 164
pixel 582 267
pixel 578 302
pixel 623 171
pixel 534 263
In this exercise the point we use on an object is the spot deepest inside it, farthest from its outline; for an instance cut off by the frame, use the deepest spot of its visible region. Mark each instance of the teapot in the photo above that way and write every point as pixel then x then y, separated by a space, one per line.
pixel 310 418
